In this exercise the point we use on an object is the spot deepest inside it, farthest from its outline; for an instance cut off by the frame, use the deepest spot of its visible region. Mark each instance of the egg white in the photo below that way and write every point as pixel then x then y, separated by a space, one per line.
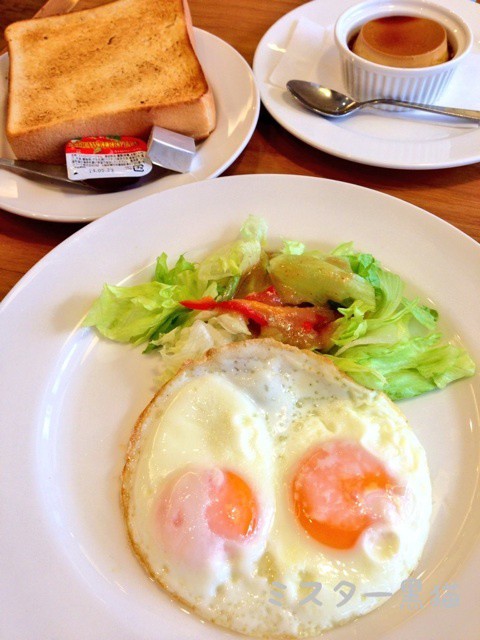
pixel 256 408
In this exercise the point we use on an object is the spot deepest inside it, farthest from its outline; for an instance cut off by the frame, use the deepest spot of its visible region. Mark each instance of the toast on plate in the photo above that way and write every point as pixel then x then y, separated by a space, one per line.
pixel 117 69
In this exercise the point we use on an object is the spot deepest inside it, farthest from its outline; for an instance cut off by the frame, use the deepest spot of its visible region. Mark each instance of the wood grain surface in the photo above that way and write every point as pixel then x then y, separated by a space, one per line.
pixel 451 194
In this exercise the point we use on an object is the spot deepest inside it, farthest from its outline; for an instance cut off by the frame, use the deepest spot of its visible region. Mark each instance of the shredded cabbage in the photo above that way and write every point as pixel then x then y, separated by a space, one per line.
pixel 208 331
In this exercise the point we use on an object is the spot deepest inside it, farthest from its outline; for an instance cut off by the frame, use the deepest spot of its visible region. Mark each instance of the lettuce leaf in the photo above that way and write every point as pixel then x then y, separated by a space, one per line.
pixel 134 314
pixel 293 248
pixel 394 347
pixel 143 313
pixel 408 368
pixel 237 257
pixel 388 342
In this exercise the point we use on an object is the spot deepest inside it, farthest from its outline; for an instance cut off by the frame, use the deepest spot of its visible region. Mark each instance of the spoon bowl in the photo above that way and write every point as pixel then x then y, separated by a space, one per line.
pixel 333 104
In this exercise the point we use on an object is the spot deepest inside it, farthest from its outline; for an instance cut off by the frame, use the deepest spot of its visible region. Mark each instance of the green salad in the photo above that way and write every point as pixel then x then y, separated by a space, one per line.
pixel 343 304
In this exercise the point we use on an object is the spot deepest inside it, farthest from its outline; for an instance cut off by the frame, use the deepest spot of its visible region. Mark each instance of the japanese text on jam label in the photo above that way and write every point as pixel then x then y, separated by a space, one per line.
pixel 107 156
pixel 103 163
pixel 411 590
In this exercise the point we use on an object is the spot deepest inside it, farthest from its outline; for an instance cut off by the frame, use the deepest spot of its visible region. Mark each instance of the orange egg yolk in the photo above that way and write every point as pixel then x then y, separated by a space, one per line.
pixel 232 512
pixel 330 488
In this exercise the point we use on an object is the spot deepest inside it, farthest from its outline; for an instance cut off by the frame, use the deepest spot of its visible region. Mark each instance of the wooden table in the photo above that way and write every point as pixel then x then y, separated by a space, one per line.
pixel 451 194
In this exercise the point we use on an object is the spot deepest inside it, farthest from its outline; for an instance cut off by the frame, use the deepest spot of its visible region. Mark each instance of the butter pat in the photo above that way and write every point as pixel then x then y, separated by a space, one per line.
pixel 171 150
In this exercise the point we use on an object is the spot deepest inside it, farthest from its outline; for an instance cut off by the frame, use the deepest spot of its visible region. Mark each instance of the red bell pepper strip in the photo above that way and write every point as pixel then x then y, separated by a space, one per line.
pixel 305 327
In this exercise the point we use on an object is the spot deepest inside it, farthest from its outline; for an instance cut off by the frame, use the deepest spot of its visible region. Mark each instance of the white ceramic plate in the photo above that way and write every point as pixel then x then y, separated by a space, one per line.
pixel 68 402
pixel 238 107
pixel 374 138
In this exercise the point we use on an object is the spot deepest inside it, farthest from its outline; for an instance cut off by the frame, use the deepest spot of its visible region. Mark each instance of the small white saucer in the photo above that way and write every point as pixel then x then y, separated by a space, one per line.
pixel 376 137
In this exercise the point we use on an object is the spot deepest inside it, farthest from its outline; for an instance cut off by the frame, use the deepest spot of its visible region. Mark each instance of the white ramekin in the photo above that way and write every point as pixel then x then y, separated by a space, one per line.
pixel 365 80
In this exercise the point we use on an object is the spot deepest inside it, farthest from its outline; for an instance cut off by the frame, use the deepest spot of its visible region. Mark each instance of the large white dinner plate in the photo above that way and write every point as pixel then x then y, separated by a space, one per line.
pixel 238 106
pixel 374 138
pixel 68 402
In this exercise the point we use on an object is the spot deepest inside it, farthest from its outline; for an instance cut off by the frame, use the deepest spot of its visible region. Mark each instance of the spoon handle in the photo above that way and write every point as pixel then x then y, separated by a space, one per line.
pixel 469 114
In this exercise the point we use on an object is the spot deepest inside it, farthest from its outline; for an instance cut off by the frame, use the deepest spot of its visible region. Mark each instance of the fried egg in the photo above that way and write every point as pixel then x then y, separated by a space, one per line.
pixel 272 494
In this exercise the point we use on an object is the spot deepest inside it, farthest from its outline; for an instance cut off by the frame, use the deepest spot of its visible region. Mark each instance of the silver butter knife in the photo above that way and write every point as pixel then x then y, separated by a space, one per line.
pixel 55 172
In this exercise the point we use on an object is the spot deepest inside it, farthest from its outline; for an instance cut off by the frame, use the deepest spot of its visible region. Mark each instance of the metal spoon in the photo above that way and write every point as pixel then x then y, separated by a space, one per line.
pixel 327 102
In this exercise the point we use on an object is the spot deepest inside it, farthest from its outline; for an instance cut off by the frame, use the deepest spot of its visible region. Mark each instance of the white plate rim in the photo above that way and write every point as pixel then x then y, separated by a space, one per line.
pixel 21 295
pixel 84 202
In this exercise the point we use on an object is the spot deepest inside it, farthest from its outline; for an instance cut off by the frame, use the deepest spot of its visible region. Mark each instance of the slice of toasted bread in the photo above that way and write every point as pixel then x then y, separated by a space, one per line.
pixel 117 69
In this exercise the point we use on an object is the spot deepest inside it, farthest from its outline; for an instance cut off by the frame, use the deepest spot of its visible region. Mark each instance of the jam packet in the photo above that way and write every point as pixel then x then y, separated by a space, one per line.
pixel 107 157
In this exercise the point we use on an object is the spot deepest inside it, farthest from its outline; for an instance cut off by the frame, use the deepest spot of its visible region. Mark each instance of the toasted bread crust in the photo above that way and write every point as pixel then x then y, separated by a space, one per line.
pixel 117 69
